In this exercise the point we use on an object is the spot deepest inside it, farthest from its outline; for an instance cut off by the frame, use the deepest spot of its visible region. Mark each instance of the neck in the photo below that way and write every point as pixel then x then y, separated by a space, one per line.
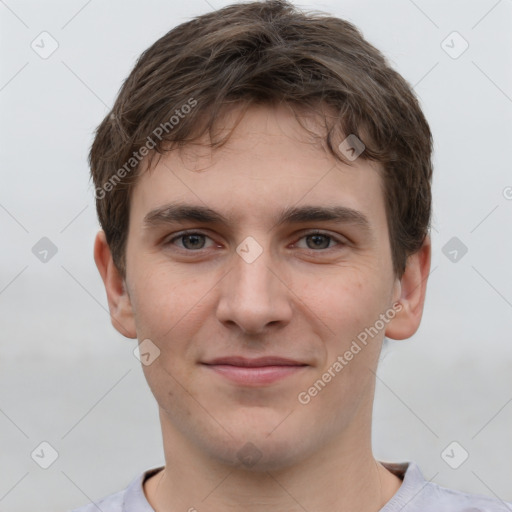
pixel 343 476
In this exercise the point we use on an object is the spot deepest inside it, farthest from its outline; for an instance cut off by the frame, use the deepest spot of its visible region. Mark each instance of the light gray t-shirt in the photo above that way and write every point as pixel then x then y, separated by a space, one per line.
pixel 415 495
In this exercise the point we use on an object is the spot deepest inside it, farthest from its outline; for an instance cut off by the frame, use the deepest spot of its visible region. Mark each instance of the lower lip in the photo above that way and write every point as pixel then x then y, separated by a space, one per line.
pixel 254 375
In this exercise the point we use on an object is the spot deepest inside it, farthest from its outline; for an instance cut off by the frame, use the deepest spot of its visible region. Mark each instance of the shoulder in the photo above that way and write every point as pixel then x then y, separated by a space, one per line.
pixel 457 501
pixel 131 499
pixel 419 495
pixel 111 503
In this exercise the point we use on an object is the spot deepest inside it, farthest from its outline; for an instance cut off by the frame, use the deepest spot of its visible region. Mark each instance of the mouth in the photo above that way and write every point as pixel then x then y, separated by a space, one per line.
pixel 254 372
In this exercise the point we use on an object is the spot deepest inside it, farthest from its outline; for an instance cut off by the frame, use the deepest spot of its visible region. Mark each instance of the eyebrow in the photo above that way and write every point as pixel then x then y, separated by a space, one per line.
pixel 178 212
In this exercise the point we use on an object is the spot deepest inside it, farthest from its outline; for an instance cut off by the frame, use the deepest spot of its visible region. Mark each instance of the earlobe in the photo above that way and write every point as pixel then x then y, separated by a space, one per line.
pixel 412 290
pixel 119 303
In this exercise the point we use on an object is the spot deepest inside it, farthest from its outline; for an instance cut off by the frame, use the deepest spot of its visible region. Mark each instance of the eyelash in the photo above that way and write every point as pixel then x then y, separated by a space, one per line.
pixel 304 235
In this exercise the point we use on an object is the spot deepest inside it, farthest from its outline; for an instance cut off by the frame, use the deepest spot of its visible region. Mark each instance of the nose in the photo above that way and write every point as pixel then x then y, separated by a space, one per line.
pixel 255 295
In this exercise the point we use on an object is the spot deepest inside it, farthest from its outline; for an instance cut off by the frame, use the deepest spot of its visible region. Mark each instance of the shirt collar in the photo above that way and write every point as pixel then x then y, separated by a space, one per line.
pixel 412 482
pixel 134 499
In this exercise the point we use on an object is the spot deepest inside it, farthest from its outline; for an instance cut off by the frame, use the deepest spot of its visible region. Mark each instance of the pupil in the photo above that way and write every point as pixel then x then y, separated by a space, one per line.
pixel 318 240
pixel 194 239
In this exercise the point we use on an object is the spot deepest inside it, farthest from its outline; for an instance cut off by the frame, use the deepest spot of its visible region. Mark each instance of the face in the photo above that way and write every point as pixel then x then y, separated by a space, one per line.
pixel 254 300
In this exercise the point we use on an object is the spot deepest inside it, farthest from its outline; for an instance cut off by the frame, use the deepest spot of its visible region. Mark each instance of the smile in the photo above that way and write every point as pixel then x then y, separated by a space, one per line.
pixel 254 372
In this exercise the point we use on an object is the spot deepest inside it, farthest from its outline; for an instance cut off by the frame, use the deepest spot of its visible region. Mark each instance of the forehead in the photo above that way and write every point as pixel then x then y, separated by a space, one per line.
pixel 269 166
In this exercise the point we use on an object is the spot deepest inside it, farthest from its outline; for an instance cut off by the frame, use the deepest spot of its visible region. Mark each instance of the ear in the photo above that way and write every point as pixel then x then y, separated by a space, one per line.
pixel 119 304
pixel 411 294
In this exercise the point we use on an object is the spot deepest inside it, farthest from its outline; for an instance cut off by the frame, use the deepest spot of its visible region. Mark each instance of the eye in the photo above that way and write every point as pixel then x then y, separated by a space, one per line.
pixel 319 240
pixel 194 241
pixel 191 241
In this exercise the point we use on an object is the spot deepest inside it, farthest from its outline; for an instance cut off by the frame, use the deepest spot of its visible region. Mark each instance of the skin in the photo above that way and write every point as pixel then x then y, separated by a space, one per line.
pixel 295 300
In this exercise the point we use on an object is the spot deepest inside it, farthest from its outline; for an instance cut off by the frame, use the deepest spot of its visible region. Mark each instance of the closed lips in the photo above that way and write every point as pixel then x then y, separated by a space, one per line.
pixel 253 363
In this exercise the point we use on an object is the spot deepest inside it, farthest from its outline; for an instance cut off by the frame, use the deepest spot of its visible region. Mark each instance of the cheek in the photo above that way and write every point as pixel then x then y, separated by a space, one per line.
pixel 349 308
pixel 164 302
pixel 345 301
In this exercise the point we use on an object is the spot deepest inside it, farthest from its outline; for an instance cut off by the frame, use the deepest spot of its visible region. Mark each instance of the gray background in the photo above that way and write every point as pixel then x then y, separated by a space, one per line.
pixel 68 378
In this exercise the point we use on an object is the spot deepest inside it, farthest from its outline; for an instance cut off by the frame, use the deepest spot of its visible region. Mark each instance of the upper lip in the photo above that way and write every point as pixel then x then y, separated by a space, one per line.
pixel 254 362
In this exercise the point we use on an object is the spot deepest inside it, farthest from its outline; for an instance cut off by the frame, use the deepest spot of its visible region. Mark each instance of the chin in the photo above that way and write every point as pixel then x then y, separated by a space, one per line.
pixel 258 452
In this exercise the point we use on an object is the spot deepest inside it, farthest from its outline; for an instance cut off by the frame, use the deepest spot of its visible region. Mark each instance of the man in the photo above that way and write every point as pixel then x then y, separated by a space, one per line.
pixel 264 187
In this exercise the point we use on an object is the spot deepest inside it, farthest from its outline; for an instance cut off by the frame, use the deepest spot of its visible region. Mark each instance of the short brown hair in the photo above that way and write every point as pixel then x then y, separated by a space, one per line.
pixel 266 52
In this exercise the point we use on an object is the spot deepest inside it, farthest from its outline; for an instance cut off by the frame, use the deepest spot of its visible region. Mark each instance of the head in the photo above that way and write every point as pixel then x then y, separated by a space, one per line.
pixel 237 126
